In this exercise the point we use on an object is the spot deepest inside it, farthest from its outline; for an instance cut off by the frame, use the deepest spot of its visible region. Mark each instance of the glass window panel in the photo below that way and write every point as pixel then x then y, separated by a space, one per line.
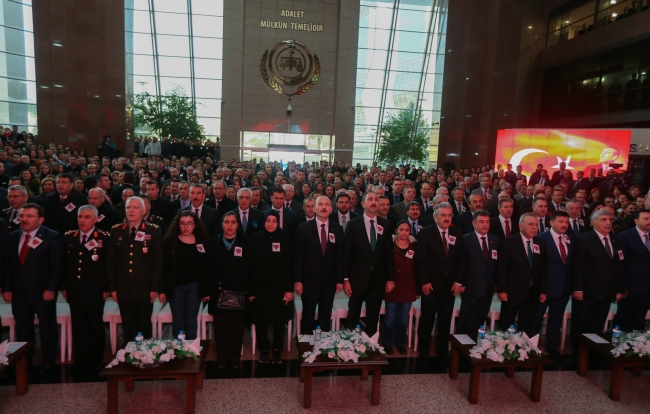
pixel 208 48
pixel 410 41
pixel 18 41
pixel 173 6
pixel 370 97
pixel 377 18
pixel 256 139
pixel 142 44
pixel 371 59
pixel 413 20
pixel 212 126
pixel 208 88
pixel 173 45
pixel 170 23
pixel 143 65
pixel 212 7
pixel 374 38
pixel 207 26
pixel 30 69
pixel 367 114
pixel 208 68
pixel 167 84
pixel 172 66
pixel 141 4
pixel 318 142
pixel 17 15
pixel 287 139
pixel 141 21
pixel 208 107
pixel 406 81
pixel 144 84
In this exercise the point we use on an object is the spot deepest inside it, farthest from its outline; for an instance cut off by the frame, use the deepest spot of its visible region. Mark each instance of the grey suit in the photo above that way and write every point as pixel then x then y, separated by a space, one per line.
pixel 399 210
pixel 492 196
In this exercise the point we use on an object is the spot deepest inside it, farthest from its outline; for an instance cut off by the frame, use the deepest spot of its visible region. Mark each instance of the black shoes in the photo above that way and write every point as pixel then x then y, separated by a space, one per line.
pixel 264 357
pixel 401 350
pixel 389 350
pixel 555 355
pixel 277 356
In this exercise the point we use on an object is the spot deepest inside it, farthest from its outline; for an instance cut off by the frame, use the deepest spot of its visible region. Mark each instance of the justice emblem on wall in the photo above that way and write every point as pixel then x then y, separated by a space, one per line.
pixel 290 64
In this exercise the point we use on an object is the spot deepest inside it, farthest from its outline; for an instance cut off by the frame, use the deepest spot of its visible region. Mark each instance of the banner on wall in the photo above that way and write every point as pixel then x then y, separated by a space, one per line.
pixel 580 149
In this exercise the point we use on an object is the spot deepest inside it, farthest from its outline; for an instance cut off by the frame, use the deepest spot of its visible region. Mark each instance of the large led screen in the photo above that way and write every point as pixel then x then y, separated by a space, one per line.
pixel 581 149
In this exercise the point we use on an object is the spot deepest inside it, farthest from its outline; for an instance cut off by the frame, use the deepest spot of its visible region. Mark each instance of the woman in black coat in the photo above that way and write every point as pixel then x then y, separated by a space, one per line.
pixel 273 305
pixel 186 261
pixel 232 272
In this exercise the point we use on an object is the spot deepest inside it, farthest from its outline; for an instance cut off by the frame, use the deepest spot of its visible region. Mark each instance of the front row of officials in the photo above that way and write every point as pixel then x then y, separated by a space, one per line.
pixel 532 271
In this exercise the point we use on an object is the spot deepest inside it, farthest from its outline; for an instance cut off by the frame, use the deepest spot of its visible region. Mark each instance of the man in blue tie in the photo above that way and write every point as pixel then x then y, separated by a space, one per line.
pixel 413 212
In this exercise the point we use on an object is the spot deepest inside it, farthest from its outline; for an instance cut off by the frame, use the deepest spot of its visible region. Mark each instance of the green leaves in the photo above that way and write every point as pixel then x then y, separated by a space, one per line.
pixel 172 115
pixel 404 138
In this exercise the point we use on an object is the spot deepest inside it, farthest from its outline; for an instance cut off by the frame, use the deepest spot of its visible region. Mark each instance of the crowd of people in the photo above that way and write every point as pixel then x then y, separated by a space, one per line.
pixel 248 236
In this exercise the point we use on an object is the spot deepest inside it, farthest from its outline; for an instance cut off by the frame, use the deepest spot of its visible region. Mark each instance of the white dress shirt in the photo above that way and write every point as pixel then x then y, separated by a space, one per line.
pixel 200 208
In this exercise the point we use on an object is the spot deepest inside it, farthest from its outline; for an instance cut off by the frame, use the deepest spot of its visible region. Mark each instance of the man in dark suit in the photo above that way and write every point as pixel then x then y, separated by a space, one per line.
pixel 318 265
pixel 399 209
pixel 256 201
pixel 343 213
pixel 598 277
pixel 521 275
pixel 383 211
pixel 440 257
pixel 577 225
pixel 134 269
pixel 579 183
pixel 413 218
pixel 288 219
pixel 33 271
pixel 180 203
pixel 560 245
pixel 559 175
pixel 633 308
pixel 17 197
pixel 540 208
pixel 208 215
pixel 249 219
pixel 84 287
pixel 486 192
pixel 478 281
pixel 290 202
pixel 308 211
pixel 519 176
pixel 106 216
pixel 504 225
pixel 368 263
pixel 219 200
pixel 128 181
pixel 425 199
pixel 395 195
pixel 458 204
pixel 464 220
pixel 159 206
pixel 61 206
pixel 556 203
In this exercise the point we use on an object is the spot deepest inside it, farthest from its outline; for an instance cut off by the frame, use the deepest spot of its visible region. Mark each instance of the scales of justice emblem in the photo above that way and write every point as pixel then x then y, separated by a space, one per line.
pixel 290 64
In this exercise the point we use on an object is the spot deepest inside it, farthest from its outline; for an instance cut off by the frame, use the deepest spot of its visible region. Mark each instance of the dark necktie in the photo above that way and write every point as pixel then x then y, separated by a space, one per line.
pixel 507 228
pixel 647 241
pixel 444 242
pixel 323 239
pixel 373 235
pixel 13 215
pixel 530 256
pixel 576 229
pixel 541 226
pixel 562 250
pixel 24 249
pixel 196 212
pixel 485 249
pixel 415 230
pixel 608 248
pixel 132 233
pixel 83 240
pixel 288 205
pixel 244 221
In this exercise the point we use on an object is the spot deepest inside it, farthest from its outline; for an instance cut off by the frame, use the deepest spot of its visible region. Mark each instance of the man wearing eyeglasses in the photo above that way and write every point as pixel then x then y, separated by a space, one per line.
pixel 32 273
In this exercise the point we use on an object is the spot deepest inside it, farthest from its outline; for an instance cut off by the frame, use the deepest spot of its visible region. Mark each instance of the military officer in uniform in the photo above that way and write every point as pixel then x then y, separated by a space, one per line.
pixel 84 287
pixel 134 270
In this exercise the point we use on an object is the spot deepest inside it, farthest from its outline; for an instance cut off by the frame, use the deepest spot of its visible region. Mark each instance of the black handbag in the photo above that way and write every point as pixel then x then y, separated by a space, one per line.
pixel 230 300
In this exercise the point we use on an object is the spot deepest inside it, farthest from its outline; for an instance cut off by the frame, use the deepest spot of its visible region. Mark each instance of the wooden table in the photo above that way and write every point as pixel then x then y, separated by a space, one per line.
pixel 375 361
pixel 480 364
pixel 618 363
pixel 20 359
pixel 180 369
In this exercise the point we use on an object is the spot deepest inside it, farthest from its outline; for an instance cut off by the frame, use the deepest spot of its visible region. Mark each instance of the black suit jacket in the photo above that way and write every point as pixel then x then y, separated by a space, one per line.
pixel 594 273
pixel 432 266
pixel 479 277
pixel 310 267
pixel 57 216
pixel 496 229
pixel 116 193
pixel 365 267
pixel 334 216
pixel 454 207
pixel 107 218
pixel 43 268
pixel 6 216
pixel 514 272
pixel 4 231
pixel 464 222
pixel 255 221
pixel 225 205
pixel 160 208
pixel 425 212
pixel 85 269
pixel 391 198
pixel 210 218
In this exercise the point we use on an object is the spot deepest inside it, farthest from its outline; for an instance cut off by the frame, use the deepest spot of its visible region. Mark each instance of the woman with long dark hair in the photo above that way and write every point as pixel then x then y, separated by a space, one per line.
pixel 273 306
pixel 186 261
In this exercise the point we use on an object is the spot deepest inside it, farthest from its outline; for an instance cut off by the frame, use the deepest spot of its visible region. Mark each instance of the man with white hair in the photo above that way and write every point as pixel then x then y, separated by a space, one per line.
pixel 250 220
pixel 84 286
pixel 134 269
pixel 290 202
pixel 106 216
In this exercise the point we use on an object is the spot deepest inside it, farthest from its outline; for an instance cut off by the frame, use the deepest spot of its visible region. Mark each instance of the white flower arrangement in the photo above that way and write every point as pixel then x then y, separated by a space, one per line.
pixel 633 343
pixel 499 346
pixel 343 346
pixel 4 360
pixel 154 351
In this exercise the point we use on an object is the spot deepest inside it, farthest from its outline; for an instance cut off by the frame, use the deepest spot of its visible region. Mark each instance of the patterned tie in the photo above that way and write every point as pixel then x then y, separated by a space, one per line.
pixel 485 249
pixel 323 239
pixel 562 250
pixel 24 249
pixel 507 228
pixel 647 241
pixel 244 221
pixel 344 221
pixel 576 229
pixel 608 248
pixel 530 255
pixel 196 212
pixel 373 235
pixel 444 242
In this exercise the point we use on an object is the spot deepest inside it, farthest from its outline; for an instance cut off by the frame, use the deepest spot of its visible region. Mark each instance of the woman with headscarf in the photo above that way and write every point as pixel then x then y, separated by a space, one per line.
pixel 273 305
